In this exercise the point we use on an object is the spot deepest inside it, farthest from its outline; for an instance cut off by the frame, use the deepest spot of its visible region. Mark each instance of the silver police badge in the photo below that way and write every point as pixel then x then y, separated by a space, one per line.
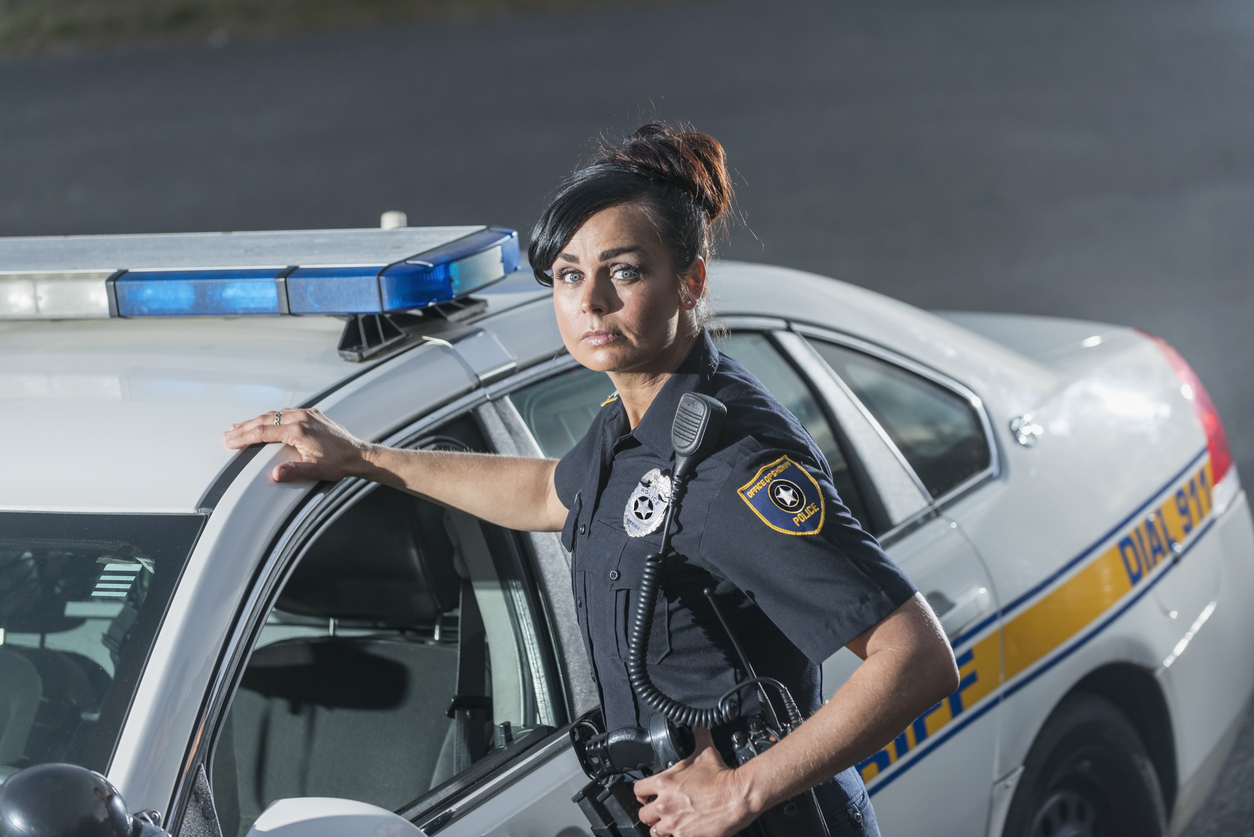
pixel 646 507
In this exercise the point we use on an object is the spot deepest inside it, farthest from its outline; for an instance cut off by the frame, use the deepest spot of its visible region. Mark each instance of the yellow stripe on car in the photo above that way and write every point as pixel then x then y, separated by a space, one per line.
pixel 1042 624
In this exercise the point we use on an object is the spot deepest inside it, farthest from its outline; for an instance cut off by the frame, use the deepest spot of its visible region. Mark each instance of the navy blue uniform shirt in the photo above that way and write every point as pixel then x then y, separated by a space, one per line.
pixel 792 570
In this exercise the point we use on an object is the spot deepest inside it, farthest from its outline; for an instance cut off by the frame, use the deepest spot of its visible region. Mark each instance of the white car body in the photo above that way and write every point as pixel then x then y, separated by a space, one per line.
pixel 125 415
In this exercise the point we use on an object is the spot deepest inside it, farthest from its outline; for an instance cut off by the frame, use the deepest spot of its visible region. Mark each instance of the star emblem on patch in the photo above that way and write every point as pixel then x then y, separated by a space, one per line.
pixel 786 494
pixel 786 498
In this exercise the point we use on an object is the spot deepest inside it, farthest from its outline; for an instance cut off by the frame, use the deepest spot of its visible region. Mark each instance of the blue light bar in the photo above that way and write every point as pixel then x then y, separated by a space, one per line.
pixel 326 272
pixel 442 274
pixel 157 293
pixel 450 272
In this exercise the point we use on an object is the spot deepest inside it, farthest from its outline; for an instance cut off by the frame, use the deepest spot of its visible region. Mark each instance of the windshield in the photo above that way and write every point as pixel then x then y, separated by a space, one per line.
pixel 81 598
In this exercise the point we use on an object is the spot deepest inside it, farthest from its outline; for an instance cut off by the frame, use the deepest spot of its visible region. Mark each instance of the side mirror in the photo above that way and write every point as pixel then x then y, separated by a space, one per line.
pixel 65 800
pixel 324 817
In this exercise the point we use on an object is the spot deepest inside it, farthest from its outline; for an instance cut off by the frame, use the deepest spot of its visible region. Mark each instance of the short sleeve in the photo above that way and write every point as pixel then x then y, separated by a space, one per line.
pixel 572 468
pixel 778 531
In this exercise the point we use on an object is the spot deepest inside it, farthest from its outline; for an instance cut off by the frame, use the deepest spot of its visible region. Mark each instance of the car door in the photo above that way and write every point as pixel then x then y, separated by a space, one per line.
pixel 934 431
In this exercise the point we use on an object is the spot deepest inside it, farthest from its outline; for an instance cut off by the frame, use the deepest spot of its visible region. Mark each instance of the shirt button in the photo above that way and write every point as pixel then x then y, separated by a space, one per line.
pixel 583 529
pixel 578 602
pixel 613 575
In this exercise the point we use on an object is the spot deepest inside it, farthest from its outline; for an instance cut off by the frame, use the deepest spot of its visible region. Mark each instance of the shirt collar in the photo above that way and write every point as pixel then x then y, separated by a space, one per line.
pixel 694 374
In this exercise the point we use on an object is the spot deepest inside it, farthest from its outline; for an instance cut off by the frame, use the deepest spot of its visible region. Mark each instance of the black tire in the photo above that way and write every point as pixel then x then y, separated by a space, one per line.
pixel 1088 775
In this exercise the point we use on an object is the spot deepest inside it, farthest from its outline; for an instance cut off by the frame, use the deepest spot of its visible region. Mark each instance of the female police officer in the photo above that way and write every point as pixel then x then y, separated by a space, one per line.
pixel 624 245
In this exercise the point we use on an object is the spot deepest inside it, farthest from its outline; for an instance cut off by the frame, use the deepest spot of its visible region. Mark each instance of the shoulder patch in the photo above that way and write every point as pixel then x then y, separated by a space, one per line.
pixel 786 498
pixel 610 400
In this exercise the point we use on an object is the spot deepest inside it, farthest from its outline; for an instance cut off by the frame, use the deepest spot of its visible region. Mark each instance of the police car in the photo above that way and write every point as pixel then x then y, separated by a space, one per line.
pixel 244 656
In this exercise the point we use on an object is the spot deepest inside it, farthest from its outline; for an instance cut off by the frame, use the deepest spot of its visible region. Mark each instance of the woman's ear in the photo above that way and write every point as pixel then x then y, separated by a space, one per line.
pixel 693 284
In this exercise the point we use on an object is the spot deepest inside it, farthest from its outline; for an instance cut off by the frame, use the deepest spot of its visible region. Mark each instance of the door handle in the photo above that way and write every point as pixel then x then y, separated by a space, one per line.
pixel 954 615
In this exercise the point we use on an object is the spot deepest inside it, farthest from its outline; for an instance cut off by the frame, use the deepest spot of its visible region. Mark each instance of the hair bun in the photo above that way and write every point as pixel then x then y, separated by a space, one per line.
pixel 691 160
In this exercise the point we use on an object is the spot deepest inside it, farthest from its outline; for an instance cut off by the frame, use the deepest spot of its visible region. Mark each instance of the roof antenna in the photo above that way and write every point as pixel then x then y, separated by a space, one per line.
pixel 393 220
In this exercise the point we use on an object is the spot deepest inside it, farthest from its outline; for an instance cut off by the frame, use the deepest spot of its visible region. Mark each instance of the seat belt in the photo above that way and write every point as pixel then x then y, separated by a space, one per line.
pixel 471 707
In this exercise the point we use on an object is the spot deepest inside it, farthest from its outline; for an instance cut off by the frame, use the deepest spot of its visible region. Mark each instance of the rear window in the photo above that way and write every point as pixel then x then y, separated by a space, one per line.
pixel 937 430
pixel 81 599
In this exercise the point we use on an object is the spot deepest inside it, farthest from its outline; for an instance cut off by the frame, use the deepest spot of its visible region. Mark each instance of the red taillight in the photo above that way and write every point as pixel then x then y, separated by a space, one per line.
pixel 1216 439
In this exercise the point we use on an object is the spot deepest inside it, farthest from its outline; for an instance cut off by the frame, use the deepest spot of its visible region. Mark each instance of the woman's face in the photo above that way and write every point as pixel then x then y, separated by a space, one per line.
pixel 617 294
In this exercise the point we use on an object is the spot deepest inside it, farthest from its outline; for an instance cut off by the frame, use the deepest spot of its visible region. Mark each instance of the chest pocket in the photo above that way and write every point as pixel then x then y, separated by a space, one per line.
pixel 630 567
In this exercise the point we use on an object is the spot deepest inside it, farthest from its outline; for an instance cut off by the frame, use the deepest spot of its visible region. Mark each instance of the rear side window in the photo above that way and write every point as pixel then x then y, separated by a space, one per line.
pixel 937 430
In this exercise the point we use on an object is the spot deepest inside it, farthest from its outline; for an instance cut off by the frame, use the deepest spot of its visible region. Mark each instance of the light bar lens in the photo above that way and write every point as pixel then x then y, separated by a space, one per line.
pixel 334 290
pixel 198 292
pixel 442 274
pixel 450 272
pixel 50 296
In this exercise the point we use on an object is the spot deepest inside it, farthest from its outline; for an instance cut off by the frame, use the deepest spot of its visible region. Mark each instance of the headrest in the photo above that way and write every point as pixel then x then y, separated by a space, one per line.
pixel 387 559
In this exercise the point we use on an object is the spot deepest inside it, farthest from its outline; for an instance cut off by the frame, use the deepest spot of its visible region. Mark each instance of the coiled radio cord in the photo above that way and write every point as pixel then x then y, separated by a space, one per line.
pixel 728 707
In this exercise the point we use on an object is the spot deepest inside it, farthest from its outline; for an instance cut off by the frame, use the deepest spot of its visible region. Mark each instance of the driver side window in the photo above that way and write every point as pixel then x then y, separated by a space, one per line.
pixel 401 651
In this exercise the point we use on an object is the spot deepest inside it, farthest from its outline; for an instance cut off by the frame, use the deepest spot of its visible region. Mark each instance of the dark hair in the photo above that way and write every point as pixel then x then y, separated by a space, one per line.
pixel 679 176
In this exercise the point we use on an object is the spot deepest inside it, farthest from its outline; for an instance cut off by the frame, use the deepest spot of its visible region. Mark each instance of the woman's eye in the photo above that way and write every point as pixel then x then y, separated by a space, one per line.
pixel 627 272
pixel 569 277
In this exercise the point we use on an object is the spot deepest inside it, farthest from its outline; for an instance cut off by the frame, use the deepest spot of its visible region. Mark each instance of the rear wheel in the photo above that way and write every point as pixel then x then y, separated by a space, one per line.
pixel 1087 775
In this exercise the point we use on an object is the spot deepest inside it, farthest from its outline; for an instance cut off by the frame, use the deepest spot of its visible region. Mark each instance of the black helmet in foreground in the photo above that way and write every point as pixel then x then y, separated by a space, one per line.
pixel 62 800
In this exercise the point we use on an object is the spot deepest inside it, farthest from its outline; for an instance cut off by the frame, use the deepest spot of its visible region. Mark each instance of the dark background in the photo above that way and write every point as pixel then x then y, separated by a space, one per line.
pixel 1076 159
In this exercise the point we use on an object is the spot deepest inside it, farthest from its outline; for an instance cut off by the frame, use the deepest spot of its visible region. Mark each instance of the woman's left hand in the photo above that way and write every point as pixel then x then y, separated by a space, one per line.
pixel 699 797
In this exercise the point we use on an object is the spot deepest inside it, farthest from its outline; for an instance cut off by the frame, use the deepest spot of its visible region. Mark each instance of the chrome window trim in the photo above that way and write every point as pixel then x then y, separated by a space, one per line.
pixel 560 363
pixel 994 467
pixel 510 435
pixel 747 322
pixel 447 811
pixel 501 442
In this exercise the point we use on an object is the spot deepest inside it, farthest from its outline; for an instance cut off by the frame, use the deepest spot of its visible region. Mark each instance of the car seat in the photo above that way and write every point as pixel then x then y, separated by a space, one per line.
pixel 359 714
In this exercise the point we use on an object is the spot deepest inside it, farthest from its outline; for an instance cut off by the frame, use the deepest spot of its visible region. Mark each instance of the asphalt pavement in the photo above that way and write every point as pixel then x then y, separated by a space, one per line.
pixel 1070 158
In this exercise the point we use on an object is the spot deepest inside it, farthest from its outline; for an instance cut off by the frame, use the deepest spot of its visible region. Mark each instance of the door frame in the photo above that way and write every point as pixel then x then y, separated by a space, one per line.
pixel 320 507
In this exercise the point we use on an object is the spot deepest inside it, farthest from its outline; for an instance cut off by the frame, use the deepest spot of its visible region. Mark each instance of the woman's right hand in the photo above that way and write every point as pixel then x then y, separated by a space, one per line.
pixel 324 449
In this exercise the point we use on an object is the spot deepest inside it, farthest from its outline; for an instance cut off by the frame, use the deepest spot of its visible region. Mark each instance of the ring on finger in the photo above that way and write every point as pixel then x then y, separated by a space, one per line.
pixel 278 417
